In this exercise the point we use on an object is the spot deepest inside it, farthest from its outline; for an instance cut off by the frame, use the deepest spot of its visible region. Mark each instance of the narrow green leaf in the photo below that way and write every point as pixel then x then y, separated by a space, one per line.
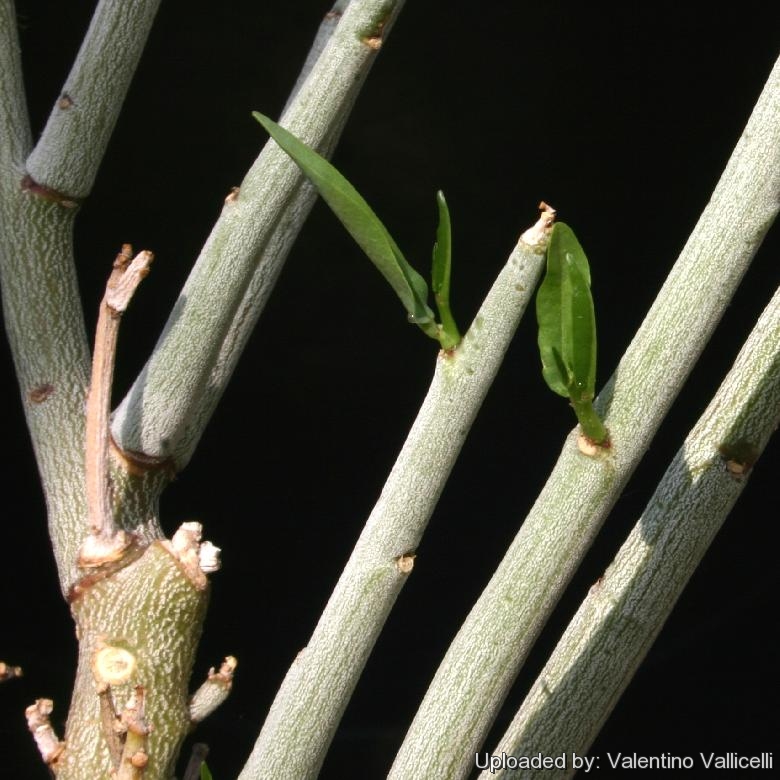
pixel 567 325
pixel 361 223
pixel 442 251
pixel 205 774
pixel 440 275
pixel 549 318
pixel 579 332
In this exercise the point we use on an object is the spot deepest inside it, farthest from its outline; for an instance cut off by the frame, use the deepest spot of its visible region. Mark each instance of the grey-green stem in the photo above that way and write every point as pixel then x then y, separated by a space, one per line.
pixel 316 690
pixel 169 405
pixel 625 610
pixel 483 660
pixel 91 98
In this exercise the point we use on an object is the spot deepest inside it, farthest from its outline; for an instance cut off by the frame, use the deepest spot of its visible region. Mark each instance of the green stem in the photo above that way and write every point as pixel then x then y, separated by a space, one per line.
pixel 590 422
pixel 449 336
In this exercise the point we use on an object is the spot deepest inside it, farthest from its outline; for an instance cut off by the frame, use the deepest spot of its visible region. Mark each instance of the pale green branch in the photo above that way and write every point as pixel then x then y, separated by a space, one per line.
pixel 169 405
pixel 316 690
pixel 14 121
pixel 321 39
pixel 71 148
pixel 625 610
pixel 483 660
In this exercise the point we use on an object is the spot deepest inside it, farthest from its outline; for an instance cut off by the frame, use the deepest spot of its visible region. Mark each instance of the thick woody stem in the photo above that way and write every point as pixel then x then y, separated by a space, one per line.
pixel 106 542
pixel 45 738
pixel 214 691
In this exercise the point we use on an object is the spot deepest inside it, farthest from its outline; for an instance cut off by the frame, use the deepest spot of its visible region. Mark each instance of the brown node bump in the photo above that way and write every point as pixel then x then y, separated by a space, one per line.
pixel 40 393
pixel 139 759
pixel 740 456
pixel 65 102
pixel 405 563
pixel 374 41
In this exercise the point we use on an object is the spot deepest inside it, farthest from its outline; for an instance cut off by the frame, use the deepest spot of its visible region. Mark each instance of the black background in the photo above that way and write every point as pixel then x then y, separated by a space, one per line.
pixel 622 117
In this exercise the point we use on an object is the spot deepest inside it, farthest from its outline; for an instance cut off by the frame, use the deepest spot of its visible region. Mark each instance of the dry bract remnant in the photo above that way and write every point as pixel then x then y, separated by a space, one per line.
pixel 9 672
pixel 197 558
pixel 537 235
pixel 49 746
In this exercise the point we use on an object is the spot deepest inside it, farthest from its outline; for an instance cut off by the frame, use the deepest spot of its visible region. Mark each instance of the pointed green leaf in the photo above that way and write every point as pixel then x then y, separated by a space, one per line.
pixel 442 251
pixel 440 275
pixel 549 318
pixel 579 332
pixel 205 774
pixel 361 223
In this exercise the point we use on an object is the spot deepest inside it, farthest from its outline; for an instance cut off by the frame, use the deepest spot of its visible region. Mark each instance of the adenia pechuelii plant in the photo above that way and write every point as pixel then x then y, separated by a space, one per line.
pixel 567 330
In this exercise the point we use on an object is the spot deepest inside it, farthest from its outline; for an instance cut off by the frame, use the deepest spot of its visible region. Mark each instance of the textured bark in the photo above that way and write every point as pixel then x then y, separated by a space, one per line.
pixel 41 297
pixel 152 609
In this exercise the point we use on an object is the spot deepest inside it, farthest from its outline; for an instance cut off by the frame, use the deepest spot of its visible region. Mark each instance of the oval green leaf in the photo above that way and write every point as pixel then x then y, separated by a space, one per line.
pixel 361 222
pixel 567 324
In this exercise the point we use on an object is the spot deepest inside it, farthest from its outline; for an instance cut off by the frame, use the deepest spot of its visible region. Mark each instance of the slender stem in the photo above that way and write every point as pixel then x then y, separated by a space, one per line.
pixel 14 122
pixel 450 336
pixel 313 696
pixel 106 542
pixel 92 98
pixel 590 422
pixel 214 690
pixel 483 660
pixel 169 405
pixel 122 283
pixel 318 46
pixel 619 620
